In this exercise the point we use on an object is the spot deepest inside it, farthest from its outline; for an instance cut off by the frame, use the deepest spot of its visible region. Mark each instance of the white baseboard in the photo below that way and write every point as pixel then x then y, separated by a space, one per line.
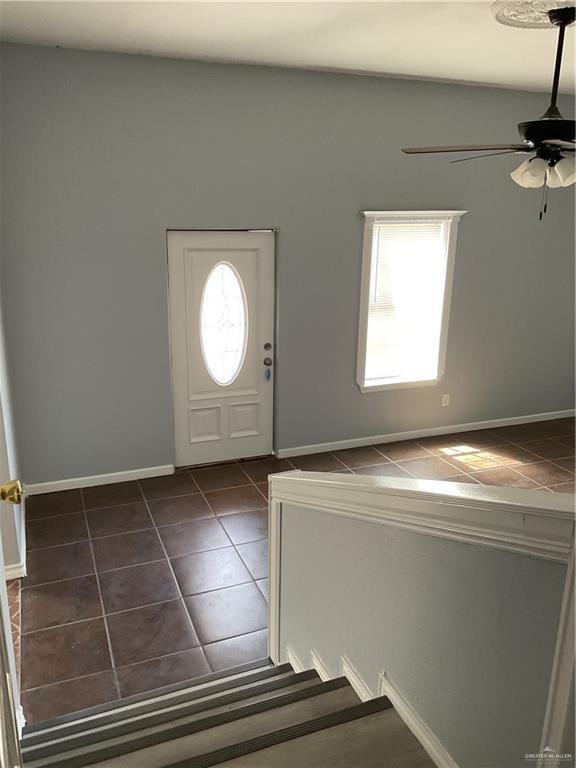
pixel 18 570
pixel 320 667
pixel 357 442
pixel 348 670
pixel 436 751
pixel 20 719
pixel 113 477
pixel 15 571
pixel 293 660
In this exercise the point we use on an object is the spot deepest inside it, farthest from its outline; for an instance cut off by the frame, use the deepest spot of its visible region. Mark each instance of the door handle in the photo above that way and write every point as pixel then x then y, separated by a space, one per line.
pixel 11 492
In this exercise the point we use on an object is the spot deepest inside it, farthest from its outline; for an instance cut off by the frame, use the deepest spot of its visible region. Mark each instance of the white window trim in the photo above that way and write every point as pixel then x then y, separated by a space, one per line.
pixel 372 217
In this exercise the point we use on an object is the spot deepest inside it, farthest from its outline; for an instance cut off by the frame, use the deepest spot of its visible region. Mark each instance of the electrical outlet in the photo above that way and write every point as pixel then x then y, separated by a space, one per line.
pixel 445 400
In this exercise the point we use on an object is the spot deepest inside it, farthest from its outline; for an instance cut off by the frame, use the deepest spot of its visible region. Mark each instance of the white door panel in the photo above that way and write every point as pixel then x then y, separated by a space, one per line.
pixel 222 321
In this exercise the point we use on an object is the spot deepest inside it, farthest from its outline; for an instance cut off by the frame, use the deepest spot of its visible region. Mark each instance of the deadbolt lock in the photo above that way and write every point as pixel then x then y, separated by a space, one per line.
pixel 11 492
pixel 267 361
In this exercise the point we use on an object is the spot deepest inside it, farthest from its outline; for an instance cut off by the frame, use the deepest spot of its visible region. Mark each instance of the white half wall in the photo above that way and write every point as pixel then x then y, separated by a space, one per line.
pixel 449 593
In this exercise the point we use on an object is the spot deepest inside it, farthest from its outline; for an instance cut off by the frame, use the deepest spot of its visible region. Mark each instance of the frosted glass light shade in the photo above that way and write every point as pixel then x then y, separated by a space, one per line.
pixel 531 174
pixel 565 171
pixel 553 178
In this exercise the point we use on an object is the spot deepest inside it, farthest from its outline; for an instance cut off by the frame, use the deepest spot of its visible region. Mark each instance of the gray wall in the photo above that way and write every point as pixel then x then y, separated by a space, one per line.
pixel 102 153
pixel 465 634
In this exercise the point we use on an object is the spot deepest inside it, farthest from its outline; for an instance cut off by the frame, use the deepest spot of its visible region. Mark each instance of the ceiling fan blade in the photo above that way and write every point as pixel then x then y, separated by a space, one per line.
pixel 560 143
pixel 467 148
pixel 489 154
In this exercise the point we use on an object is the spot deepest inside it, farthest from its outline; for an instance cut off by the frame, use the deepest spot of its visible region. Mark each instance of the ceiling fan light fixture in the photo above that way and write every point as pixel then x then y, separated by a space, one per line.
pixel 531 174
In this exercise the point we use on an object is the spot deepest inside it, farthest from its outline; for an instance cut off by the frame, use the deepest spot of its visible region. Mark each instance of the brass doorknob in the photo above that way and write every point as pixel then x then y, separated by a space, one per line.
pixel 11 492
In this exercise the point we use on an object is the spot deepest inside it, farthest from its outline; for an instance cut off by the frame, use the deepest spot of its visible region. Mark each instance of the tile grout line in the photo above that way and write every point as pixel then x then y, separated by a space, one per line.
pixel 547 461
pixel 123 504
pixel 230 538
pixel 84 575
pixel 537 459
pixel 458 472
pixel 146 562
pixel 235 637
pixel 66 680
pixel 267 499
pixel 454 478
pixel 411 476
pixel 253 580
pixel 143 605
pixel 143 661
pixel 125 666
pixel 178 587
pixel 461 472
pixel 457 469
pixel 104 620
pixel 95 618
pixel 120 533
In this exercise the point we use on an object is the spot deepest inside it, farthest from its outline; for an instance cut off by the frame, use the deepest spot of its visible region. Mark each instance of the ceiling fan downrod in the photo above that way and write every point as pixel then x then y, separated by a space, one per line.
pixel 561 18
pixel 552 125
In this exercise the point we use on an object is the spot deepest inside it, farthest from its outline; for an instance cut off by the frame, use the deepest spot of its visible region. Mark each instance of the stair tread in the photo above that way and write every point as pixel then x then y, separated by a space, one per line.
pixel 259 719
pixel 186 712
pixel 201 688
pixel 371 741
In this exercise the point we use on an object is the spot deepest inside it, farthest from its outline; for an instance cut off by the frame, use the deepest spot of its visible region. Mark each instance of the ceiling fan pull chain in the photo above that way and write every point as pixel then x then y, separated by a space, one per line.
pixel 543 202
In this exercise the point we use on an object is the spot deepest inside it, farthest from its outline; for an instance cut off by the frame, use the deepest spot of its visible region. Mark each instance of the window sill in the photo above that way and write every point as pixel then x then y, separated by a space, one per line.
pixel 367 388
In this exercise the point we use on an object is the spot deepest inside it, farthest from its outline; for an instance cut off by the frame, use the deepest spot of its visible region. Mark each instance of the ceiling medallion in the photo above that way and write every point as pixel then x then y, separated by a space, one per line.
pixel 531 14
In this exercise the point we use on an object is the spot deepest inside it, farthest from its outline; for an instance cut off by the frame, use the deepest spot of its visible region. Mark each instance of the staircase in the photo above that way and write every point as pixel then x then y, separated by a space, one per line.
pixel 256 716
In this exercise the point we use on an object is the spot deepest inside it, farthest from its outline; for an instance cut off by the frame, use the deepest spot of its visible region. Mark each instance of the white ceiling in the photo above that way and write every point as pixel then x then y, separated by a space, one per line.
pixel 455 41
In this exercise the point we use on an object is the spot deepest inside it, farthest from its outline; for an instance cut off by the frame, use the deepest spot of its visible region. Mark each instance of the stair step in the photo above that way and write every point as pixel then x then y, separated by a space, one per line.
pixel 200 688
pixel 183 711
pixel 373 739
pixel 176 742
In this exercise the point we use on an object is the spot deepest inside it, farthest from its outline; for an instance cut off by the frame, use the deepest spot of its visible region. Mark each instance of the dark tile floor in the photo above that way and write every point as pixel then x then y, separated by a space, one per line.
pixel 137 585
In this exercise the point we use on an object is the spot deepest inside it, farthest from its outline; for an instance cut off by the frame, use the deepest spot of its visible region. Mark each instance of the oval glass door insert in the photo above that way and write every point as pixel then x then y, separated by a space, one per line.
pixel 223 324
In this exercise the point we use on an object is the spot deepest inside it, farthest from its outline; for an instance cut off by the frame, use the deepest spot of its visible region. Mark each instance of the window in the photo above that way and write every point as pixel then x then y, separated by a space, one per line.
pixel 223 324
pixel 407 270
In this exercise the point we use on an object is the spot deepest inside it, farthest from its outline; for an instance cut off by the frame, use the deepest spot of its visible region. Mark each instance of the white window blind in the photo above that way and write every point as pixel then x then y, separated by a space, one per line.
pixel 406 270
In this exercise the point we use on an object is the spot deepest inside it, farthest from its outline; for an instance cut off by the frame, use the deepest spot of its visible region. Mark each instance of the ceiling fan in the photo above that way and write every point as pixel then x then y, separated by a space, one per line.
pixel 550 139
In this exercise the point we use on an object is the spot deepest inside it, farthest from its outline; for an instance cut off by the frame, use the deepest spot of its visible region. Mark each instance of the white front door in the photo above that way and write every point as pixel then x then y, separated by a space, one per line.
pixel 222 344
